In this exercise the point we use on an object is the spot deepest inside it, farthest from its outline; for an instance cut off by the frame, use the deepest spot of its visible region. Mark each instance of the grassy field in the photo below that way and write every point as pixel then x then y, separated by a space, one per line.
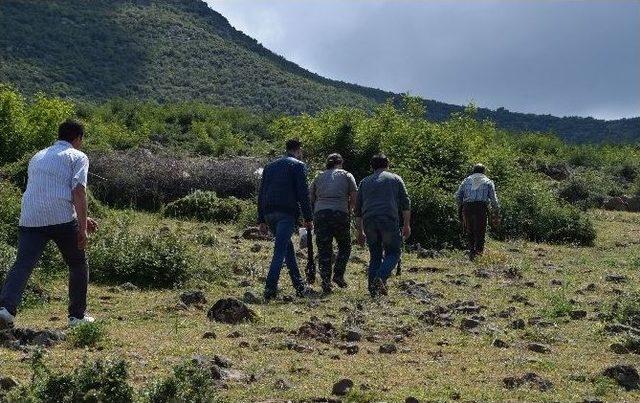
pixel 435 360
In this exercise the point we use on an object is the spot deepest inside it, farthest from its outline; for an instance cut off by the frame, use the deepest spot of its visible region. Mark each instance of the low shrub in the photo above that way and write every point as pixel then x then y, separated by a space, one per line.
pixel 11 198
pixel 589 188
pixel 205 206
pixel 190 382
pixel 147 181
pixel 434 219
pixel 99 381
pixel 625 310
pixel 148 259
pixel 529 210
pixel 87 335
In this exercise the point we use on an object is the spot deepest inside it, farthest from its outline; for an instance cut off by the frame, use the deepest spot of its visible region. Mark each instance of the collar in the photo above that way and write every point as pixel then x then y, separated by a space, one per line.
pixel 63 143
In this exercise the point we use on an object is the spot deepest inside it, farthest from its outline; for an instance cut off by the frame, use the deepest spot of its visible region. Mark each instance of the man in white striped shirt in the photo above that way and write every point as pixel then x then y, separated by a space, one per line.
pixel 54 207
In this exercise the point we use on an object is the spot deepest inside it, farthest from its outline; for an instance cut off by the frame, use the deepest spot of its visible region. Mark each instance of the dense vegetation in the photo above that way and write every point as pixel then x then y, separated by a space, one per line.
pixel 172 50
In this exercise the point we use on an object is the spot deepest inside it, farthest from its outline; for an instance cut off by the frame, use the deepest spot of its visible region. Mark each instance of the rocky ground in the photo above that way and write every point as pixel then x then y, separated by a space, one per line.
pixel 528 322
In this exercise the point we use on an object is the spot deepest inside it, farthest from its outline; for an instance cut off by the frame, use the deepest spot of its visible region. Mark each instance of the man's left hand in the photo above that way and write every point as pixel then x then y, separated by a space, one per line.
pixel 92 225
pixel 406 232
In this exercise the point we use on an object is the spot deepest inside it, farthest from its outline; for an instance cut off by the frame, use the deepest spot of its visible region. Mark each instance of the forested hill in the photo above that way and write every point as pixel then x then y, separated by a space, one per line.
pixel 172 50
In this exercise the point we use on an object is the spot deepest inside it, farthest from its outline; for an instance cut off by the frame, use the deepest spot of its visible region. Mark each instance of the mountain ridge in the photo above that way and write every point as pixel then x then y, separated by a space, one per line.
pixel 172 50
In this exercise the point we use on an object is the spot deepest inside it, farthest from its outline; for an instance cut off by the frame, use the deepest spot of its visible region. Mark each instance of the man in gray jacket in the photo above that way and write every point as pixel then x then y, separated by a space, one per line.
pixel 381 197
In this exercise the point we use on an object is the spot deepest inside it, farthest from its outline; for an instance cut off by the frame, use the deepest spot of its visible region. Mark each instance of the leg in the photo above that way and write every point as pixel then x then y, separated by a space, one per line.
pixel 66 238
pixel 374 243
pixel 481 229
pixel 324 244
pixel 468 229
pixel 292 266
pixel 31 243
pixel 392 243
pixel 342 233
pixel 280 248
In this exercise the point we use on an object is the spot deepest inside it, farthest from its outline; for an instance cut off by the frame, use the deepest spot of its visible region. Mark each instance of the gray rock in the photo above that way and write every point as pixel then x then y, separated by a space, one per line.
pixel 500 343
pixel 388 348
pixel 7 383
pixel 282 384
pixel 468 324
pixel 578 314
pixel 625 375
pixel 209 335
pixel 128 287
pixel 518 324
pixel 342 387
pixel 231 311
pixel 353 334
pixel 193 297
pixel 251 297
pixel 538 348
pixel 616 278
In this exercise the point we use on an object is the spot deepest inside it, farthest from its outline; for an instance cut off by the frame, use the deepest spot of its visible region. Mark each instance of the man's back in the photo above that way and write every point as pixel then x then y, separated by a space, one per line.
pixel 53 173
pixel 284 188
pixel 330 190
pixel 382 194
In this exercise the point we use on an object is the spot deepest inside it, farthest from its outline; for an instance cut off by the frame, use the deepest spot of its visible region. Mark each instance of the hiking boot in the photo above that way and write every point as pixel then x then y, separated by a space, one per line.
pixel 340 282
pixel 380 286
pixel 6 319
pixel 306 292
pixel 326 288
pixel 270 294
pixel 73 321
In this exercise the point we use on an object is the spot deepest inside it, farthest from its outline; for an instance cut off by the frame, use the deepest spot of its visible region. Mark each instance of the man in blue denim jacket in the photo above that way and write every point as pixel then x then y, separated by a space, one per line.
pixel 283 194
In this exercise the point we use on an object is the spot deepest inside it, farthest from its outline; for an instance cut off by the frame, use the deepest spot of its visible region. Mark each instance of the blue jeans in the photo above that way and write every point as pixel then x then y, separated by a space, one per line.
pixel 31 244
pixel 385 244
pixel 283 225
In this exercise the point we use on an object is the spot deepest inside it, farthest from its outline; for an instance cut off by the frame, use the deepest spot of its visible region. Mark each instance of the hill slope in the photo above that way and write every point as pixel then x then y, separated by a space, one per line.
pixel 170 50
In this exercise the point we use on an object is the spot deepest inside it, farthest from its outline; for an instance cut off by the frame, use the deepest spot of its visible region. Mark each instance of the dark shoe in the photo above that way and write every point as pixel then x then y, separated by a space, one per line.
pixel 270 294
pixel 381 288
pixel 306 292
pixel 340 282
pixel 326 288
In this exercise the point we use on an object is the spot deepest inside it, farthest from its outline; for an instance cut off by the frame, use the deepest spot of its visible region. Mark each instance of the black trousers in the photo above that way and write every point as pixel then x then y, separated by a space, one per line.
pixel 475 224
pixel 330 225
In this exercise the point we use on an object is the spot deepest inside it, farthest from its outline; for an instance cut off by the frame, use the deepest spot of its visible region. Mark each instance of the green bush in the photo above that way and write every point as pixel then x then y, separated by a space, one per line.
pixel 190 382
pixel 530 211
pixel 87 334
pixel 99 381
pixel 205 206
pixel 148 259
pixel 9 212
pixel 589 187
pixel 434 219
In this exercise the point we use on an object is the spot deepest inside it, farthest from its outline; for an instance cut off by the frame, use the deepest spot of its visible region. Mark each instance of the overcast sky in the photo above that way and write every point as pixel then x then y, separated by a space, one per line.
pixel 559 57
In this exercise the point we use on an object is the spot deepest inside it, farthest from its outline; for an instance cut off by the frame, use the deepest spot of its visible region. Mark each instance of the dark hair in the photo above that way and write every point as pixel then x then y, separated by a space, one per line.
pixel 70 130
pixel 479 169
pixel 333 160
pixel 379 161
pixel 293 145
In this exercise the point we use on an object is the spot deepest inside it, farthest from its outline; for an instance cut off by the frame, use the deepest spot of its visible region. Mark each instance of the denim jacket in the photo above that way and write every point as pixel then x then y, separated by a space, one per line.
pixel 283 189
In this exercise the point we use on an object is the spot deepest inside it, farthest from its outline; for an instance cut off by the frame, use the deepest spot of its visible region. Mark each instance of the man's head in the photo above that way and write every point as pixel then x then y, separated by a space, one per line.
pixel 294 147
pixel 479 169
pixel 334 161
pixel 72 132
pixel 379 161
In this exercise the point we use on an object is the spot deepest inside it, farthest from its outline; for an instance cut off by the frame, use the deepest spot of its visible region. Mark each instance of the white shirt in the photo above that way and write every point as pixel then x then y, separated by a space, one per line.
pixel 53 173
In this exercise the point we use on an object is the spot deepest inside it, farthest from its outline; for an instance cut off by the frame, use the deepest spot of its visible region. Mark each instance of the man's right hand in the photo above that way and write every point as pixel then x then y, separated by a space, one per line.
pixel 264 230
pixel 308 225
pixel 361 239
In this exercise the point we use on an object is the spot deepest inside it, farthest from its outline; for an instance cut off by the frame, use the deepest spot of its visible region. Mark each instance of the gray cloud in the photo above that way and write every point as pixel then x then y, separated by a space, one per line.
pixel 560 57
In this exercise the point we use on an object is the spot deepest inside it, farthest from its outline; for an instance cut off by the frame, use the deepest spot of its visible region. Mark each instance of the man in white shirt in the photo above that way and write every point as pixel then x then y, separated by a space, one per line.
pixel 54 207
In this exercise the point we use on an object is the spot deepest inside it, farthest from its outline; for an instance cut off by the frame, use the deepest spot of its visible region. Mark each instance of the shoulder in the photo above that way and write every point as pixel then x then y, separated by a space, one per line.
pixel 77 155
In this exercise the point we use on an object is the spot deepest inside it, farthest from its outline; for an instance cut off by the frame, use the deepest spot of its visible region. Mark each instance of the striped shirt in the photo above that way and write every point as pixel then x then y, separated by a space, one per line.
pixel 477 188
pixel 53 173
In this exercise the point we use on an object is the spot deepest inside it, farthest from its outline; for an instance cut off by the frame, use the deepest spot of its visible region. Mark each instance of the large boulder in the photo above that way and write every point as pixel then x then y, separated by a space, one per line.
pixel 625 375
pixel 232 311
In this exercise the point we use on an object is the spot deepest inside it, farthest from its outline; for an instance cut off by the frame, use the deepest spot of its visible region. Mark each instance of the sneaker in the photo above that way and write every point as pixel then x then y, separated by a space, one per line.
pixel 380 286
pixel 6 319
pixel 270 294
pixel 326 288
pixel 79 321
pixel 340 282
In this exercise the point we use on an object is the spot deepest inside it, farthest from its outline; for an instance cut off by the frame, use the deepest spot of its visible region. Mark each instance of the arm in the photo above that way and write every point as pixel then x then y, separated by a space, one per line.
pixel 405 206
pixel 459 196
pixel 302 192
pixel 353 192
pixel 358 213
pixel 261 193
pixel 493 198
pixel 80 204
pixel 312 193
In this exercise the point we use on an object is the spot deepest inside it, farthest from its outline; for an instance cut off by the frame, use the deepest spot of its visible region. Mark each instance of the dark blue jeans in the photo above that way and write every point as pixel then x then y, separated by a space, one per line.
pixel 282 226
pixel 31 244
pixel 385 244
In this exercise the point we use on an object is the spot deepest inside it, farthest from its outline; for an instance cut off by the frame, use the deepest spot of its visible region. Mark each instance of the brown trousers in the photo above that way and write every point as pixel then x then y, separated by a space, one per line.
pixel 474 216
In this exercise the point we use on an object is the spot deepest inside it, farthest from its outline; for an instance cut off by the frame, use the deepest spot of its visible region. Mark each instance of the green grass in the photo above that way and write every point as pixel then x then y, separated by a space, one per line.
pixel 440 363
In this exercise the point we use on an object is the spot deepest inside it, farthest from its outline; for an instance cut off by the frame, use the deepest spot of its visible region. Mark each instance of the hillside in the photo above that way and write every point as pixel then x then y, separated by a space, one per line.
pixel 171 50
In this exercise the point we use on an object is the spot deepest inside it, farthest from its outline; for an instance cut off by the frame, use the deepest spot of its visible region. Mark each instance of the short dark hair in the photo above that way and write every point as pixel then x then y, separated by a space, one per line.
pixel 70 130
pixel 334 160
pixel 379 161
pixel 293 145
pixel 479 169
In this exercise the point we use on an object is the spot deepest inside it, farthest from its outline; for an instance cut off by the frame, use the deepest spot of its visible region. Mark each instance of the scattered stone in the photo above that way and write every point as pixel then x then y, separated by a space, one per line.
pixel 342 387
pixel 578 314
pixel 481 273
pixel 231 311
pixel 352 335
pixel 616 278
pixel 388 348
pixel 234 335
pixel 245 283
pixel 244 344
pixel 531 378
pixel 540 322
pixel 538 348
pixel 556 282
pixel 468 324
pixel 193 297
pixel 321 331
pixel 500 343
pixel 19 338
pixel 251 297
pixel 297 347
pixel 7 383
pixel 254 234
pixel 209 335
pixel 625 375
pixel 438 316
pixel 411 399
pixel 520 298
pixel 417 290
pixel 128 287
pixel 616 204
pixel 507 313
pixel 282 384
pixel 590 287
pixel 618 348
pixel 616 328
pixel 518 324
pixel 256 248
